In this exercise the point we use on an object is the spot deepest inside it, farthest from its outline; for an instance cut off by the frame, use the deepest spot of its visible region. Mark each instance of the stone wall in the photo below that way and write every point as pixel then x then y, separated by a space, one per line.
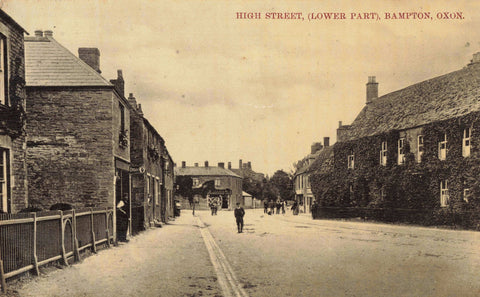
pixel 70 137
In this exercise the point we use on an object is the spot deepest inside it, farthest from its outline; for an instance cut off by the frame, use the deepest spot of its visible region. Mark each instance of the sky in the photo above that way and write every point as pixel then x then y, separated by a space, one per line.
pixel 219 88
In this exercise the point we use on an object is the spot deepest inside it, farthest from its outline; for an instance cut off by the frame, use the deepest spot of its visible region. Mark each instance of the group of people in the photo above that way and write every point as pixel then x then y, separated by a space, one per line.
pixel 271 207
pixel 213 203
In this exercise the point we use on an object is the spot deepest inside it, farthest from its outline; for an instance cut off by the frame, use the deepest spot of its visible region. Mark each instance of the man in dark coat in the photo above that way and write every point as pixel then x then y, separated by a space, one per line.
pixel 239 213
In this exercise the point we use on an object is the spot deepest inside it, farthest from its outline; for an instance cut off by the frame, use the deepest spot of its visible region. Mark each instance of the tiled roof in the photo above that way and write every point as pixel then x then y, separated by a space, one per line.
pixel 47 63
pixel 204 171
pixel 448 96
pixel 318 158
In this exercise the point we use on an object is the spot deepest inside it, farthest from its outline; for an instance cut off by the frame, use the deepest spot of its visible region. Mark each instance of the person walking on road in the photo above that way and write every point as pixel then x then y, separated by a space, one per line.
pixel 265 206
pixel 239 213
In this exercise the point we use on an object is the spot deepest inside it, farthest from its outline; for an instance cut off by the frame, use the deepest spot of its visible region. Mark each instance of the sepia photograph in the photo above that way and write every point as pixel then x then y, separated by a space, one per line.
pixel 239 148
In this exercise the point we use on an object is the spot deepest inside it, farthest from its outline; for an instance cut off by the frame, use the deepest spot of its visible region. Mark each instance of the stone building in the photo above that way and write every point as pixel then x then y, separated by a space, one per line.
pixel 245 171
pixel 13 169
pixel 152 171
pixel 227 185
pixel 305 168
pixel 415 148
pixel 78 127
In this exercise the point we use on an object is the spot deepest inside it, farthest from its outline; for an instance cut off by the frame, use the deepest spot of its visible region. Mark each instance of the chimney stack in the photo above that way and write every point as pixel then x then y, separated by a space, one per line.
pixel 240 164
pixel 221 165
pixel 184 164
pixel 89 55
pixel 229 165
pixel 326 141
pixel 132 101
pixel 316 146
pixel 476 56
pixel 249 165
pixel 38 33
pixel 119 83
pixel 372 89
pixel 48 33
pixel 206 163
pixel 339 124
pixel 196 164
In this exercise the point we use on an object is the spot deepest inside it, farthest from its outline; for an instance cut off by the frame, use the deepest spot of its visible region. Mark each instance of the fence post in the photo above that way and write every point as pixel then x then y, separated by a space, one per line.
pixel 64 256
pixel 107 230
pixel 94 247
pixel 2 276
pixel 76 253
pixel 35 258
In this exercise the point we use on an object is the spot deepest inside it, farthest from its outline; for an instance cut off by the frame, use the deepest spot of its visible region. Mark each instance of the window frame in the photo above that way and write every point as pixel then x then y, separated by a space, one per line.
pixel 466 142
pixel 401 151
pixel 383 153
pixel 444 194
pixel 442 152
pixel 4 69
pixel 218 183
pixel 351 161
pixel 5 180
pixel 420 148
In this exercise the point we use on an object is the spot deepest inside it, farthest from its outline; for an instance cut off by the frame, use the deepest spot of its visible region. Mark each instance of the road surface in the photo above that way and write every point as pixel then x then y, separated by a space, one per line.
pixel 278 255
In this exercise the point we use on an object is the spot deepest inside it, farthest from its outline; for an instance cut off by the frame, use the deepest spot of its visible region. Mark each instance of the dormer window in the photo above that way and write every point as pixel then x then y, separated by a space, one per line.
pixel 466 144
pixel 383 154
pixel 442 148
pixel 401 151
pixel 351 161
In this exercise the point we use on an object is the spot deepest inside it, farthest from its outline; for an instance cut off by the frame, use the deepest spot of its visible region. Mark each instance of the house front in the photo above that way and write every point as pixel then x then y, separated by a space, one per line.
pixel 13 169
pixel 218 181
pixel 152 171
pixel 415 148
pixel 78 147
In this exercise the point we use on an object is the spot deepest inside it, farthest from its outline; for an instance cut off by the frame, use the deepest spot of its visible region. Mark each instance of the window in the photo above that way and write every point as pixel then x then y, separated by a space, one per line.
pixel 401 151
pixel 3 71
pixel 157 192
pixel 351 161
pixel 383 154
pixel 444 197
pixel 4 180
pixel 466 142
pixel 217 183
pixel 122 117
pixel 442 148
pixel 196 182
pixel 466 194
pixel 420 148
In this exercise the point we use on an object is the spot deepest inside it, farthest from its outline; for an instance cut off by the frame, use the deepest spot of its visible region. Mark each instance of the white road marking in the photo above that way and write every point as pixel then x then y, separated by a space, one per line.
pixel 226 277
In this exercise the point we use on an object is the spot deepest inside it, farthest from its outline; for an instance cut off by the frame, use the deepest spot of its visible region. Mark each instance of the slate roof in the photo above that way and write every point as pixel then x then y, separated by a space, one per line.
pixel 448 96
pixel 48 63
pixel 4 15
pixel 204 171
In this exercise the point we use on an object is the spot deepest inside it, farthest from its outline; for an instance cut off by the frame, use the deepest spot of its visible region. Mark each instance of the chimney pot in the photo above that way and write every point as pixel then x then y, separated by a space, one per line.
pixel 240 164
pixel 38 33
pixel 221 165
pixel 249 165
pixel 339 124
pixel 372 89
pixel 89 55
pixel 184 164
pixel 206 163
pixel 196 164
pixel 48 33
pixel 326 141
pixel 229 165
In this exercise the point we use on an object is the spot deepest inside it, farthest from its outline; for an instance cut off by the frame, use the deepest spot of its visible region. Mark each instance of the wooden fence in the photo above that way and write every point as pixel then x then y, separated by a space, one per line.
pixel 30 240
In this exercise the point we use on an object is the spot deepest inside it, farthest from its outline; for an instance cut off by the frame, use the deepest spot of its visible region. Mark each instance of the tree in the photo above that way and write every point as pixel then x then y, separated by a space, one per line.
pixel 283 184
